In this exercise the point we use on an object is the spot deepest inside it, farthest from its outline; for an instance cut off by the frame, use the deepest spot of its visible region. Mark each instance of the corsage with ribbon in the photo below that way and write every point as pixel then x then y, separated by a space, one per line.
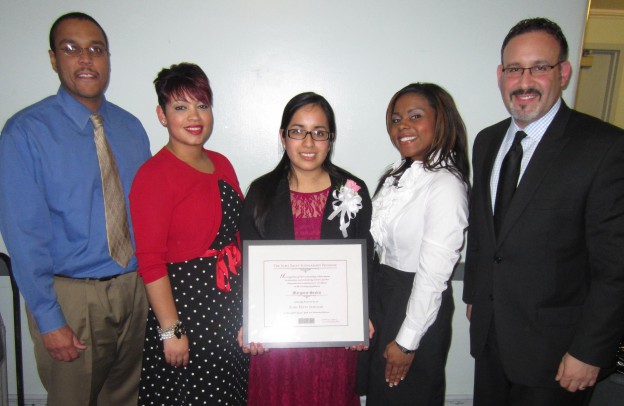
pixel 346 205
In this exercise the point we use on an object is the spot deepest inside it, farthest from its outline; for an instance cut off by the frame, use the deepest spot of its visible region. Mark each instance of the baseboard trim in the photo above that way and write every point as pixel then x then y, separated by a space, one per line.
pixel 29 400
pixel 40 400
pixel 458 400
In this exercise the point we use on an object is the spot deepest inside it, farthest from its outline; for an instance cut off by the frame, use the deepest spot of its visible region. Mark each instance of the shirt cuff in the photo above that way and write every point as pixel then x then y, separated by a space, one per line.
pixel 50 320
pixel 408 338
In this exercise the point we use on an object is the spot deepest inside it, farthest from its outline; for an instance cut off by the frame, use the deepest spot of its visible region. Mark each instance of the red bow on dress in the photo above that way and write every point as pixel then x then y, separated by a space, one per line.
pixel 234 259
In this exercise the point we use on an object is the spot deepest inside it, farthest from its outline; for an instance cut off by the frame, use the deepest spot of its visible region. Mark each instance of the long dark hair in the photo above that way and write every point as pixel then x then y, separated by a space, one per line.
pixel 449 148
pixel 268 183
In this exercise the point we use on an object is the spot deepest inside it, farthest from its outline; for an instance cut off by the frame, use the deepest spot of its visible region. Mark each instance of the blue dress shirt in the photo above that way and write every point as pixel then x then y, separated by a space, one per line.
pixel 51 204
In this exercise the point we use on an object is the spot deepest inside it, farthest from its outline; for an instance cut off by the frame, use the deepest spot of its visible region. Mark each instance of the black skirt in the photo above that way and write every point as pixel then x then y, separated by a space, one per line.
pixel 425 382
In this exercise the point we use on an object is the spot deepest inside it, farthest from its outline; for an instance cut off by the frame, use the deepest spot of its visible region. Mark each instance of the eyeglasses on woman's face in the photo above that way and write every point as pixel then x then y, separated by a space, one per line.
pixel 301 134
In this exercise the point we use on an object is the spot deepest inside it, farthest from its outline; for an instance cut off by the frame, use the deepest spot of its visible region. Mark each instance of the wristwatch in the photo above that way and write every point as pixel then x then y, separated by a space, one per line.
pixel 403 349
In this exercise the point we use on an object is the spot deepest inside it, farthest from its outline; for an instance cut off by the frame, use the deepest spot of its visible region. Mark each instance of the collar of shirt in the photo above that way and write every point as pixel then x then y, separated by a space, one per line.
pixel 535 131
pixel 76 111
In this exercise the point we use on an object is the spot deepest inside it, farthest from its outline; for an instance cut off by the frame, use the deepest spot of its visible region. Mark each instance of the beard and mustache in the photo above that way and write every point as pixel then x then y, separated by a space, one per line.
pixel 520 112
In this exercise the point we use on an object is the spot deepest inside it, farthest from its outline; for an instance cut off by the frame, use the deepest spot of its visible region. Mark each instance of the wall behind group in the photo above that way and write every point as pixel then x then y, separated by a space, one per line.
pixel 258 54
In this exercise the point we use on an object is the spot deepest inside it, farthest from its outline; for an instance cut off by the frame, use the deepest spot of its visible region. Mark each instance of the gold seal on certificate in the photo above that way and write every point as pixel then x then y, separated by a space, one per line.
pixel 309 293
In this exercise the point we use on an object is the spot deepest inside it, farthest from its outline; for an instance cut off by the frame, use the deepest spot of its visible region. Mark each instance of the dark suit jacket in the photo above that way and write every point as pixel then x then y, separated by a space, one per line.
pixel 553 282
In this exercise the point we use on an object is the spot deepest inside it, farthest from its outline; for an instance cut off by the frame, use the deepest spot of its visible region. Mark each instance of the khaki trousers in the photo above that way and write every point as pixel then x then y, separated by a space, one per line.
pixel 109 317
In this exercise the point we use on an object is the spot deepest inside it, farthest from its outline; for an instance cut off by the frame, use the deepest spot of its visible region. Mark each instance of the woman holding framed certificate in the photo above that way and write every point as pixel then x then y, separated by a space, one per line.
pixel 420 211
pixel 295 201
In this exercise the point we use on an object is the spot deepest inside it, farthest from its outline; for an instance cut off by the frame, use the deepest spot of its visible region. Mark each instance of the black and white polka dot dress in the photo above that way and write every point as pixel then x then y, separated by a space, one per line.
pixel 218 369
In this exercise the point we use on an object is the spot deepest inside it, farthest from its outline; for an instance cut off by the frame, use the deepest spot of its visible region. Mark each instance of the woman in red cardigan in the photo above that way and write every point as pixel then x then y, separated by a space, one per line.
pixel 185 204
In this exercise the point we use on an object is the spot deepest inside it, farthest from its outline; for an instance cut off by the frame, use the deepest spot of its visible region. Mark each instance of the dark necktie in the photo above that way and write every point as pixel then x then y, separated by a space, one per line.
pixel 117 230
pixel 508 180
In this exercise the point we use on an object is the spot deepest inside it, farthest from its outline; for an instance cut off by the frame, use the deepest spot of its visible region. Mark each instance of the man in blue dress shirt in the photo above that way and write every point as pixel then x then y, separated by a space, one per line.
pixel 87 312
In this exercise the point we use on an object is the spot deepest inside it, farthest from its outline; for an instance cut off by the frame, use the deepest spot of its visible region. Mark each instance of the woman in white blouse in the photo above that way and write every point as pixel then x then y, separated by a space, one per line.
pixel 420 212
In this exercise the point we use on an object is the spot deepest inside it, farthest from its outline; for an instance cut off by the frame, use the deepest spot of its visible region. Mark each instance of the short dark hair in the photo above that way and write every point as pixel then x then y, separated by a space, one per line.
pixel 539 24
pixel 180 80
pixel 75 15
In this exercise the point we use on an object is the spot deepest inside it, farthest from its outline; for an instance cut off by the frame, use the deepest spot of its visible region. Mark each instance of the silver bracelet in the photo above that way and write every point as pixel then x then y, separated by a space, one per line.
pixel 175 330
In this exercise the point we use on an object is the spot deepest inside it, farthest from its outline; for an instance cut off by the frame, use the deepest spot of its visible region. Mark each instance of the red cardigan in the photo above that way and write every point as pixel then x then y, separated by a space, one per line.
pixel 176 210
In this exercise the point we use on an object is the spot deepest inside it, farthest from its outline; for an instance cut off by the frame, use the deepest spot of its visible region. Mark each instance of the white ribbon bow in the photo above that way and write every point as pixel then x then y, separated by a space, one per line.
pixel 347 204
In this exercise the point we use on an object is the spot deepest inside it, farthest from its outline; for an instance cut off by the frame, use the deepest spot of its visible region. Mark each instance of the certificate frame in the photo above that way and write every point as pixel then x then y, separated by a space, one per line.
pixel 305 293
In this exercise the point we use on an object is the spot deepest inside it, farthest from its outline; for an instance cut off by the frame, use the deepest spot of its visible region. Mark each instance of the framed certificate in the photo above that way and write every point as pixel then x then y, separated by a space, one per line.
pixel 310 293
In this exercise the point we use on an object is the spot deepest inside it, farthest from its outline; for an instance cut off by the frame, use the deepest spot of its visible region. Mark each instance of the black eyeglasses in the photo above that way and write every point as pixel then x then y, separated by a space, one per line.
pixel 73 50
pixel 317 135
pixel 537 70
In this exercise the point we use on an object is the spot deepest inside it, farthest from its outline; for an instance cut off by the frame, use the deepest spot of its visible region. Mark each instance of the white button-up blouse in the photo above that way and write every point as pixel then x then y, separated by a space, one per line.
pixel 418 226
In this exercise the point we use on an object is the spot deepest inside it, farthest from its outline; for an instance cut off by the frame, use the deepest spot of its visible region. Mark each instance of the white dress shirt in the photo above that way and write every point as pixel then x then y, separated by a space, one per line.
pixel 534 131
pixel 418 226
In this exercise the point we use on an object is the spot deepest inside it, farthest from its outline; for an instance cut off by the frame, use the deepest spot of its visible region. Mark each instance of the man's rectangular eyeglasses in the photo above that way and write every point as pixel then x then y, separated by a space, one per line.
pixel 317 135
pixel 537 70
pixel 95 51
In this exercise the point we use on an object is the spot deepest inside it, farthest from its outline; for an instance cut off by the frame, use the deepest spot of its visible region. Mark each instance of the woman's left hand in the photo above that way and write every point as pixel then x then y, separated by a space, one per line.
pixel 397 363
pixel 176 351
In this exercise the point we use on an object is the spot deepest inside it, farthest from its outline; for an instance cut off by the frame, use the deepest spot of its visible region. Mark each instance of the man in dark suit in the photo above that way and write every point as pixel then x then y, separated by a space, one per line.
pixel 545 258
